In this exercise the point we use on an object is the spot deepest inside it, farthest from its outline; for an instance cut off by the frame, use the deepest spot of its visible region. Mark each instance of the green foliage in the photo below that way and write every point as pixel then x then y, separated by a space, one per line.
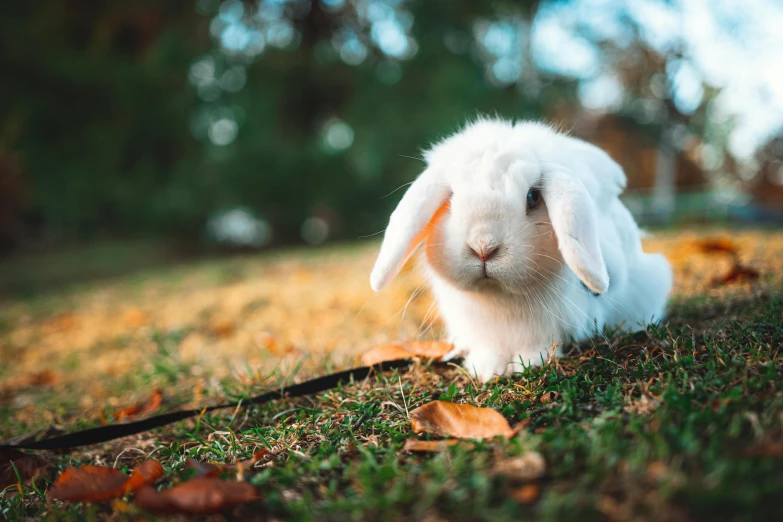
pixel 682 420
pixel 98 108
pixel 94 102
pixel 139 119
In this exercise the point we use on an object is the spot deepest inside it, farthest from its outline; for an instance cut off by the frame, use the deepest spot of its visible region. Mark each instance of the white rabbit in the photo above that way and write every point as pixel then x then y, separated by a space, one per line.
pixel 527 245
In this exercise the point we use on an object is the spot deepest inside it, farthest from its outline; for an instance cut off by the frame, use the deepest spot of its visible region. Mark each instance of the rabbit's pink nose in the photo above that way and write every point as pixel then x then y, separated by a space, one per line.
pixel 483 251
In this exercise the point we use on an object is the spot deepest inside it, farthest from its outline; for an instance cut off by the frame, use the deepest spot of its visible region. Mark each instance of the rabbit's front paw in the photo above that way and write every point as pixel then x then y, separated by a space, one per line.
pixel 483 365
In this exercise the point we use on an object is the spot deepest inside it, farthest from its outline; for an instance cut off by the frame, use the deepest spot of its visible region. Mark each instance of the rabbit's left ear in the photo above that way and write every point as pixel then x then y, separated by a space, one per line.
pixel 603 178
pixel 574 219
pixel 425 201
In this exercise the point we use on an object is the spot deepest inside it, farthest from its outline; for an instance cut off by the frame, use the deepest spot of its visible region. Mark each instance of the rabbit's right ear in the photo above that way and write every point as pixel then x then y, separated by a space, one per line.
pixel 425 201
pixel 575 222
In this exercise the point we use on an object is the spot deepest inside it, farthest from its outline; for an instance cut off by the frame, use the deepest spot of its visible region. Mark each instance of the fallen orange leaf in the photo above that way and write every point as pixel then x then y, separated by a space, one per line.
pixel 385 352
pixel 737 273
pixel 202 469
pixel 39 378
pixel 61 323
pixel 718 403
pixel 713 245
pixel 210 469
pixel 89 484
pixel 44 377
pixel 428 446
pixel 463 421
pixel 275 347
pixel 98 483
pixel 269 341
pixel 141 408
pixel 197 496
pixel 223 329
pixel 527 494
pixel 656 470
pixel 145 473
pixel 406 350
pixel 770 449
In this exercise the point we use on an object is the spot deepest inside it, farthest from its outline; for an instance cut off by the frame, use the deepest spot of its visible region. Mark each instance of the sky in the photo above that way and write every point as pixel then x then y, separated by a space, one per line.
pixel 734 45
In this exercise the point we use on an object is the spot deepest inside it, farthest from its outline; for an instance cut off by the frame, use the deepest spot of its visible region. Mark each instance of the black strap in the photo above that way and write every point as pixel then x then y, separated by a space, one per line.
pixel 116 431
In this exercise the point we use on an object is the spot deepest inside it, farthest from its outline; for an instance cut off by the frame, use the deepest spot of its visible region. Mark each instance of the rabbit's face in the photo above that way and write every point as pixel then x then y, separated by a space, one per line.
pixel 496 236
pixel 502 207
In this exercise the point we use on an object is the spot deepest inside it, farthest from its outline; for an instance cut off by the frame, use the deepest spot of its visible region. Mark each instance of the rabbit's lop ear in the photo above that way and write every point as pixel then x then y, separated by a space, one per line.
pixel 574 219
pixel 601 175
pixel 425 201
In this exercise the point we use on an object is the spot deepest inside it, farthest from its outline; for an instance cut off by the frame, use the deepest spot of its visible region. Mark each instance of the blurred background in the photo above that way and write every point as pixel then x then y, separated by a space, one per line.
pixel 137 133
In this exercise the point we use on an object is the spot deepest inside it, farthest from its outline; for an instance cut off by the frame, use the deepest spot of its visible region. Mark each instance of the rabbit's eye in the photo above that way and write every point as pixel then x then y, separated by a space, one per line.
pixel 533 198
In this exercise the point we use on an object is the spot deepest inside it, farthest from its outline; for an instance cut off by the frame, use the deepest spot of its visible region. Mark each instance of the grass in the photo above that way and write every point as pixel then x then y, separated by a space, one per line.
pixel 24 275
pixel 681 422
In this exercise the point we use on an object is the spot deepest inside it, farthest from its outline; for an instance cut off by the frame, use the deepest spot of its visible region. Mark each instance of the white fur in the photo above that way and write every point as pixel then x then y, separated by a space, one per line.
pixel 538 290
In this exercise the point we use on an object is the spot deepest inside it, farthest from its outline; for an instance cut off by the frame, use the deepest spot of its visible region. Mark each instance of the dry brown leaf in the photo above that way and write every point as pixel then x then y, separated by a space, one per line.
pixel 275 348
pixel 718 403
pixel 44 377
pixel 211 469
pixel 406 350
pixel 89 484
pixel 145 473
pixel 202 469
pixel 463 421
pixel 99 483
pixel 713 245
pixel 766 450
pixel 736 273
pixel 268 341
pixel 39 378
pixel 431 446
pixel 530 466
pixel 223 329
pixel 29 465
pixel 62 323
pixel 384 352
pixel 141 408
pixel 656 470
pixel 527 494
pixel 197 496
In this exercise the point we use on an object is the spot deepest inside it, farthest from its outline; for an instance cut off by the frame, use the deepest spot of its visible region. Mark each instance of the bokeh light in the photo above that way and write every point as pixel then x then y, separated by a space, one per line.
pixel 337 135
pixel 223 131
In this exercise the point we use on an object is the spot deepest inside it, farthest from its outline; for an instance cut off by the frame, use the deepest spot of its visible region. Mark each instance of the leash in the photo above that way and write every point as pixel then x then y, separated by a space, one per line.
pixel 116 431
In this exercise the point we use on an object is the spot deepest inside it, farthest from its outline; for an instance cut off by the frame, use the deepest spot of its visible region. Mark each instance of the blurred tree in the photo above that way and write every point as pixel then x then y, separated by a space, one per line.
pixel 296 118
pixel 11 199
pixel 96 97
pixel 318 109
pixel 660 129
pixel 767 183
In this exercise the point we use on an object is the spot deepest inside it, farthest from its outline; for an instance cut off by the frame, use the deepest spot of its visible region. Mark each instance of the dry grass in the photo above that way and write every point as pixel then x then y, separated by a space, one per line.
pixel 242 318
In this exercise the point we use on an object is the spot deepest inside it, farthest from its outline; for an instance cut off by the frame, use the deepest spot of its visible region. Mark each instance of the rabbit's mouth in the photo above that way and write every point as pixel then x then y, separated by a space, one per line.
pixel 487 283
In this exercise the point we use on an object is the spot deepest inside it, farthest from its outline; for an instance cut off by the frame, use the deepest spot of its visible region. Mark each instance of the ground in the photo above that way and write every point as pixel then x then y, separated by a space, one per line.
pixel 681 422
